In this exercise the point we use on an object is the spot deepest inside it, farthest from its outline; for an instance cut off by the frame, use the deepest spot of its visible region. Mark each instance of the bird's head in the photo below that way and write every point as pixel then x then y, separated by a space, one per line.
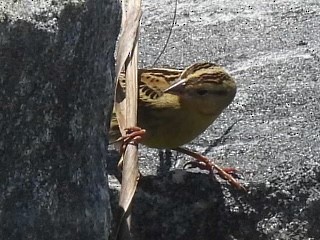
pixel 204 87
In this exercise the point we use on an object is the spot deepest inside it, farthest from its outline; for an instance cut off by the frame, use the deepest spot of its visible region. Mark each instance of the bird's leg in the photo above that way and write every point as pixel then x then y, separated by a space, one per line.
pixel 203 166
pixel 133 136
pixel 205 163
pixel 165 161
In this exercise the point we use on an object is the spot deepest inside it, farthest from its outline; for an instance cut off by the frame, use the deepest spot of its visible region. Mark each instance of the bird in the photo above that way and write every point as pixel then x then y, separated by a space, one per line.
pixel 175 106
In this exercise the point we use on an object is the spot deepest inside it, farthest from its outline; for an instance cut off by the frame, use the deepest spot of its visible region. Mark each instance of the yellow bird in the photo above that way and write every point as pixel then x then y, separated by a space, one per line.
pixel 175 106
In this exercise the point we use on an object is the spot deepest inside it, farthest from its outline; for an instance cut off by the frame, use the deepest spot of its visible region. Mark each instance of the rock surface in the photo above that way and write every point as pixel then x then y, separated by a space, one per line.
pixel 56 77
pixel 272 49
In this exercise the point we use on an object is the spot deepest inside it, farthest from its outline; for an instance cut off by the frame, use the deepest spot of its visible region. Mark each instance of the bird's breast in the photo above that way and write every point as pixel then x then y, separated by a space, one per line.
pixel 171 128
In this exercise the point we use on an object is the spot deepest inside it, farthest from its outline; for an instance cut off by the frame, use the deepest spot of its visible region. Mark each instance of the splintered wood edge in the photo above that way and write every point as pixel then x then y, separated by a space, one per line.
pixel 127 111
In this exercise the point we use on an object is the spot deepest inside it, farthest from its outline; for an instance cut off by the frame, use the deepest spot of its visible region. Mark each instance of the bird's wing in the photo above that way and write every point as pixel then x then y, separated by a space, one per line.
pixel 152 83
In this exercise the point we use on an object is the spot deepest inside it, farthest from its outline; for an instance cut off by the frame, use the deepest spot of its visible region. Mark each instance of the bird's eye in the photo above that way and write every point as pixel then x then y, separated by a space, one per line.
pixel 202 92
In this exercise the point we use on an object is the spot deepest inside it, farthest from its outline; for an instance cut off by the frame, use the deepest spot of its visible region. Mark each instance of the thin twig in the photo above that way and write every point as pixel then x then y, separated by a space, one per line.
pixel 168 38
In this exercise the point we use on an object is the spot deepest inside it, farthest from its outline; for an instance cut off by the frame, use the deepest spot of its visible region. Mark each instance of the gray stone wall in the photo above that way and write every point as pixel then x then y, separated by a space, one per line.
pixel 56 91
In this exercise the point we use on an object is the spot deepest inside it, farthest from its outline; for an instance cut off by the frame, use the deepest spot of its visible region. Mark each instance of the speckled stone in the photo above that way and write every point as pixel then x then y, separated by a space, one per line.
pixel 272 49
pixel 56 91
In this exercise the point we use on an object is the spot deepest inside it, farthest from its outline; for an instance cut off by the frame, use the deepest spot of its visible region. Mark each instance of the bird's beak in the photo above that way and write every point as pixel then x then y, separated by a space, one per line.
pixel 178 87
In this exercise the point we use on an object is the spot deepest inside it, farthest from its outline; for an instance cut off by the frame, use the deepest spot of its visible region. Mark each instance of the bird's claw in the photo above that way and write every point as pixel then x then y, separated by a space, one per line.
pixel 196 164
pixel 133 136
pixel 233 172
pixel 203 166
pixel 204 163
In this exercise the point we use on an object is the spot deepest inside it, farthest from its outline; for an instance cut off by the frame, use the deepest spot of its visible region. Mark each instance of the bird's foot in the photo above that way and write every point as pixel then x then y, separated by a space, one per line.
pixel 203 166
pixel 229 174
pixel 133 136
